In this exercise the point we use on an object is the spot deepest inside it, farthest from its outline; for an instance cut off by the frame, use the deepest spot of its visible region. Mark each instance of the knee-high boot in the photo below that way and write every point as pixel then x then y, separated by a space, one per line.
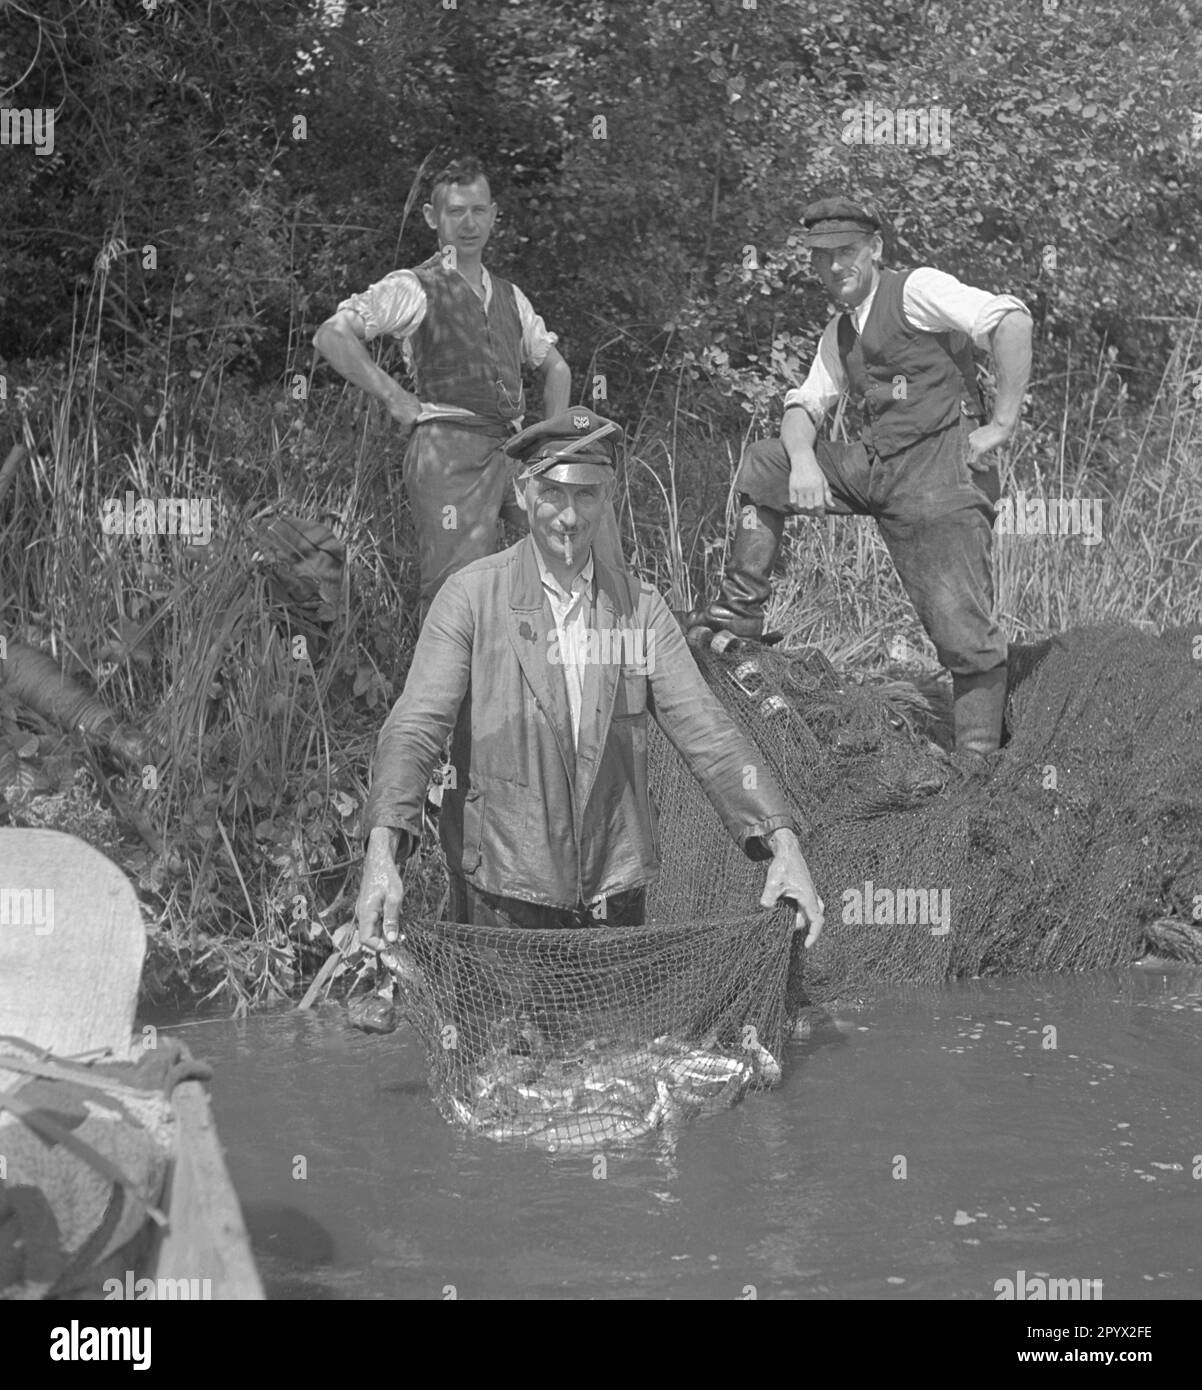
pixel 747 582
pixel 978 705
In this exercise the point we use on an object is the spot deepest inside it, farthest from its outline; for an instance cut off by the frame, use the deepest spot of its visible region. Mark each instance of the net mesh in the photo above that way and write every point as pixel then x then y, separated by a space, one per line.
pixel 578 1037
pixel 1079 850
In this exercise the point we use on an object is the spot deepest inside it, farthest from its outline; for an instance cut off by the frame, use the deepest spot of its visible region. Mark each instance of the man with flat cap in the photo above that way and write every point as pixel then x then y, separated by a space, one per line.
pixel 901 346
pixel 544 663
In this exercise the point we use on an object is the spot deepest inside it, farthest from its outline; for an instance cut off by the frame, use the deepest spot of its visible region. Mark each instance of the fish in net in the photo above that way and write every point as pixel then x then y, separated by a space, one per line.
pixel 579 1038
pixel 1078 847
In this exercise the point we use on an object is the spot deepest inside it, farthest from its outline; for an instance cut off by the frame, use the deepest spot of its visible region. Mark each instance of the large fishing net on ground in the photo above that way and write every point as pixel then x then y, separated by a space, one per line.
pixel 1079 848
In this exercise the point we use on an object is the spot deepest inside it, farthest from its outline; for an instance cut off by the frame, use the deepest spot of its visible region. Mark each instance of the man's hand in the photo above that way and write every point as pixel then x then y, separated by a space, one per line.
pixel 381 891
pixel 404 407
pixel 982 440
pixel 808 488
pixel 788 877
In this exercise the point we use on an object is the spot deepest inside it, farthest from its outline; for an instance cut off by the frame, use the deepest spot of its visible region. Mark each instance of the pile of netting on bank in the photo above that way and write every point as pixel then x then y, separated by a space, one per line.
pixel 1078 848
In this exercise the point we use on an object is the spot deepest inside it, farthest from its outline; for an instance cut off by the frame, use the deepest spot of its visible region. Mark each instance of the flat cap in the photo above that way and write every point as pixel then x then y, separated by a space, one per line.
pixel 575 447
pixel 831 221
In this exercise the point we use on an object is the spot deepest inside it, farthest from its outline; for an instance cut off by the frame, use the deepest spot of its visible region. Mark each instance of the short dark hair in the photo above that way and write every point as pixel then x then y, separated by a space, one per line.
pixel 465 170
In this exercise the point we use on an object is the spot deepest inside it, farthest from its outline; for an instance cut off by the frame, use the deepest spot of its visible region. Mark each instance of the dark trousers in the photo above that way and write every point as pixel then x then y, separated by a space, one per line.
pixel 475 908
pixel 936 517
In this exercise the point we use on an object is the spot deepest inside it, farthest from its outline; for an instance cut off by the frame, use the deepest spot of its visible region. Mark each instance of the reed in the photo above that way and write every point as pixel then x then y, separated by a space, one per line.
pixel 244 835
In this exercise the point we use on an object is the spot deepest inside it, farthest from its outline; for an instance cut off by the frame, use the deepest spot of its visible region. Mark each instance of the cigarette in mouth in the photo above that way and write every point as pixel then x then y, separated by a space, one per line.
pixel 567 548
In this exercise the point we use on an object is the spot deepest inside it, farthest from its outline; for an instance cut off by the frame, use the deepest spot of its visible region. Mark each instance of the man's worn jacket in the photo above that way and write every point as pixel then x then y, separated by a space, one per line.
pixel 526 814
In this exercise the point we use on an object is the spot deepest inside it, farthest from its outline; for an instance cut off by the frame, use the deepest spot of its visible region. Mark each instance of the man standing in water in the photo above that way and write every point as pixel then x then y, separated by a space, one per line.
pixel 902 346
pixel 544 663
pixel 469 333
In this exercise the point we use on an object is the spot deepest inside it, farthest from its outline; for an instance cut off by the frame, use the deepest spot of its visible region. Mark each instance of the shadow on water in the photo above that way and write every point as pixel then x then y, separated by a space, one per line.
pixel 294 1252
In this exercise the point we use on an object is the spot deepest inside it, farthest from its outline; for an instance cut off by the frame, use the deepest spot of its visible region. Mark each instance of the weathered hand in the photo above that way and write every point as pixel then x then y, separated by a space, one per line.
pixel 981 441
pixel 404 409
pixel 808 488
pixel 789 877
pixel 380 895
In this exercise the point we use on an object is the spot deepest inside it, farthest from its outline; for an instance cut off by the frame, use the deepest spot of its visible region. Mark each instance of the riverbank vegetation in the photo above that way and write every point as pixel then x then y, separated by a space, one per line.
pixel 210 198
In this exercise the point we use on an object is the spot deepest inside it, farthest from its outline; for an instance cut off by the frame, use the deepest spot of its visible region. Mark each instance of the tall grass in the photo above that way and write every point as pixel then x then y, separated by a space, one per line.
pixel 244 836
pixel 265 744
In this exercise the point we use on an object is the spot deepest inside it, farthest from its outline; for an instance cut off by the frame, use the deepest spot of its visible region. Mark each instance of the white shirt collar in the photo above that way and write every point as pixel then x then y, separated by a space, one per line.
pixel 485 281
pixel 860 313
pixel 582 582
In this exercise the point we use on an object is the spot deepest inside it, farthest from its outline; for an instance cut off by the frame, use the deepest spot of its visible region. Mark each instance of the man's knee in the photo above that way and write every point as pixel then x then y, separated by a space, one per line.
pixel 970 654
pixel 764 473
pixel 967 640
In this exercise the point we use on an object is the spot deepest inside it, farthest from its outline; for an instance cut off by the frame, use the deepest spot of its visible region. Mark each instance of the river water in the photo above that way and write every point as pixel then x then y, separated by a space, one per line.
pixel 925 1145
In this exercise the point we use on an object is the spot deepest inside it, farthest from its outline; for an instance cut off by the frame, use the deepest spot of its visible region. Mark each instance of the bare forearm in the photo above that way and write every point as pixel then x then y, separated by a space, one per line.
pixel 798 433
pixel 1012 356
pixel 347 355
pixel 783 839
pixel 557 389
pixel 384 840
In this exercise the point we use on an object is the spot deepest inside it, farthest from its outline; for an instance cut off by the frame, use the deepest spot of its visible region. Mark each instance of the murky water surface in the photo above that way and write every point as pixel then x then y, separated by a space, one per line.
pixel 927 1146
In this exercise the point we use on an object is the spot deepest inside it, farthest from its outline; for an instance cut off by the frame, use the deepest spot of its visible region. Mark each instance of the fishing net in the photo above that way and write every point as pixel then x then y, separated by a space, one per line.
pixel 1080 847
pixel 579 1037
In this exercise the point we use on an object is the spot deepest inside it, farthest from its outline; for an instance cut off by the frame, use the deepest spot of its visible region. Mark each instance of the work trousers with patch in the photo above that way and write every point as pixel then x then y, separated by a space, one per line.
pixel 475 908
pixel 459 483
pixel 936 517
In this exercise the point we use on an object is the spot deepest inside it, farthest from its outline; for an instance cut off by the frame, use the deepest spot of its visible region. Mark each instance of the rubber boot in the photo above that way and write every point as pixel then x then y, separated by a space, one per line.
pixel 978 704
pixel 747 582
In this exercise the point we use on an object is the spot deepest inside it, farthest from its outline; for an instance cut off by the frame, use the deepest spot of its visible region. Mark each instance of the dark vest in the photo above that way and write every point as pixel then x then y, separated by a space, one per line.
pixel 937 381
pixel 463 356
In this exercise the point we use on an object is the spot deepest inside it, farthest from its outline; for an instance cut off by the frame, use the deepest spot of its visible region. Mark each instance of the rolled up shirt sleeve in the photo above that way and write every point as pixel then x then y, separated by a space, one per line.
pixel 731 771
pixel 935 302
pixel 396 305
pixel 536 338
pixel 826 381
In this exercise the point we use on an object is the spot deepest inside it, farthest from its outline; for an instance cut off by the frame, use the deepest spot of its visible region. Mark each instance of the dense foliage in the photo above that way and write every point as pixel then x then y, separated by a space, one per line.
pixel 650 161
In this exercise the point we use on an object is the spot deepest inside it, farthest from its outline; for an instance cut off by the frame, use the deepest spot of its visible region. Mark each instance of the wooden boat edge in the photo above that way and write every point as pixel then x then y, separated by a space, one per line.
pixel 205 1237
